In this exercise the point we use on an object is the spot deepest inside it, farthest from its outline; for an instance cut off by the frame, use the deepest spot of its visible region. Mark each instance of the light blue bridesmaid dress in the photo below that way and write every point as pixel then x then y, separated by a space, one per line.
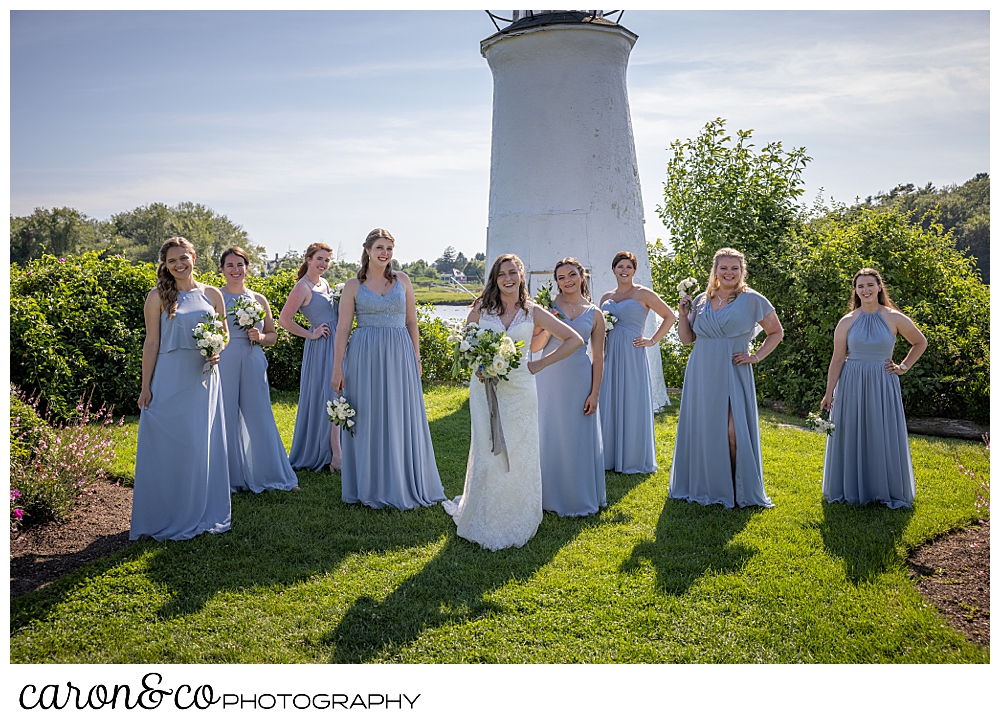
pixel 389 461
pixel 626 401
pixel 181 466
pixel 257 459
pixel 572 454
pixel 701 469
pixel 868 454
pixel 311 439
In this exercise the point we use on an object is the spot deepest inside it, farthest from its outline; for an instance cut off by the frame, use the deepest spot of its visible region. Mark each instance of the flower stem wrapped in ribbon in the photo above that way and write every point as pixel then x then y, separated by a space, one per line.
pixel 212 338
pixel 493 355
pixel 341 414
pixel 247 313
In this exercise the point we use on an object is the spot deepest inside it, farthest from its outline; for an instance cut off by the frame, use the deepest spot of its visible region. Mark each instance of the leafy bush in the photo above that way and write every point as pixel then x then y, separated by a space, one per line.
pixel 720 193
pixel 27 428
pixel 928 278
pixel 77 328
pixel 435 351
pixel 61 462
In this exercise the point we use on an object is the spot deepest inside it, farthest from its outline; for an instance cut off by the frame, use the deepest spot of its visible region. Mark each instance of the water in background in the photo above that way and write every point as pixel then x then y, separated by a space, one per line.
pixel 451 312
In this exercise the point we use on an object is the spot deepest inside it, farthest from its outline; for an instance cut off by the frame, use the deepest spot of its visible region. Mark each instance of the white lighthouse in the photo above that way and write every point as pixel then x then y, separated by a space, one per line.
pixel 563 174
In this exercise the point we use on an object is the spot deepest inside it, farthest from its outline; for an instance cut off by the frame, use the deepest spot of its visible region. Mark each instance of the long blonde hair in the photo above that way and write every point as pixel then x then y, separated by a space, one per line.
pixel 713 280
pixel 310 253
pixel 166 285
pixel 489 300
pixel 373 236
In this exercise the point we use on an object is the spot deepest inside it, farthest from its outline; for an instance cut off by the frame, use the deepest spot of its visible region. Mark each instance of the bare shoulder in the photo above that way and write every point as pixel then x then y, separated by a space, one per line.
pixel 261 299
pixel 404 279
pixel 605 297
pixel 352 284
pixel 213 294
pixel 153 301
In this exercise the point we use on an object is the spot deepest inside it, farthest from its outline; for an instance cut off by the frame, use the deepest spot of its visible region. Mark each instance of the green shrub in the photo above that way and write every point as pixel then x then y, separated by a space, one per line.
pixel 435 351
pixel 928 278
pixel 27 428
pixel 77 328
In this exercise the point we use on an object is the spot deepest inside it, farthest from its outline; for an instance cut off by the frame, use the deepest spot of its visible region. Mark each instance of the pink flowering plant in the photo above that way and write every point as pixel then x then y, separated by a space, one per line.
pixel 979 470
pixel 50 466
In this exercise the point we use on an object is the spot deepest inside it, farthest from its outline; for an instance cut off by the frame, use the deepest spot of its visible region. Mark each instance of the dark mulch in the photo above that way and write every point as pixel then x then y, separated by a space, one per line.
pixel 953 573
pixel 99 525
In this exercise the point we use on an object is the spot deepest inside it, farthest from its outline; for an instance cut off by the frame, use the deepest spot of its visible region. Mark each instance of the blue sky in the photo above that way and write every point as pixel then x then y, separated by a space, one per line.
pixel 303 126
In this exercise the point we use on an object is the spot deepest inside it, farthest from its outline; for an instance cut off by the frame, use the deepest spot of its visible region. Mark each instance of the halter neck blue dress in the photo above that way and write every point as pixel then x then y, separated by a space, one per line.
pixel 181 464
pixel 389 461
pixel 257 459
pixel 572 454
pixel 311 439
pixel 868 454
pixel 712 386
pixel 626 399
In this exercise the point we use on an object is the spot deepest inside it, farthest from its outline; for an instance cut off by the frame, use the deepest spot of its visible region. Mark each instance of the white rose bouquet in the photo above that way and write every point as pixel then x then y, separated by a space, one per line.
pixel 247 313
pixel 610 321
pixel 492 354
pixel 341 413
pixel 337 292
pixel 211 338
pixel 820 422
pixel 688 286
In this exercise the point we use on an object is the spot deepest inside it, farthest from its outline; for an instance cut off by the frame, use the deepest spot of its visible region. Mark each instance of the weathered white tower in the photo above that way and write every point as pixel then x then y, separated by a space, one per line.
pixel 563 174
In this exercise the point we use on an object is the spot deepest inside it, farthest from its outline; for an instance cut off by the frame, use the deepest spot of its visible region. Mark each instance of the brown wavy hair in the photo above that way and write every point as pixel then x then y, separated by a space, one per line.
pixel 166 285
pixel 883 294
pixel 489 300
pixel 570 261
pixel 310 253
pixel 625 255
pixel 713 280
pixel 373 236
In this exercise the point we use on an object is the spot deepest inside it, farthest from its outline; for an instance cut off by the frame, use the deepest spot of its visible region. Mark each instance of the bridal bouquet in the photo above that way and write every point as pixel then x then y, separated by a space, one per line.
pixel 688 286
pixel 337 291
pixel 212 338
pixel 247 312
pixel 492 354
pixel 609 321
pixel 340 413
pixel 820 422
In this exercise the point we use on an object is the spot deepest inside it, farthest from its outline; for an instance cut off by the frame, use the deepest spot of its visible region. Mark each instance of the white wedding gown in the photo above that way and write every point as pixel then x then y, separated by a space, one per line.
pixel 500 509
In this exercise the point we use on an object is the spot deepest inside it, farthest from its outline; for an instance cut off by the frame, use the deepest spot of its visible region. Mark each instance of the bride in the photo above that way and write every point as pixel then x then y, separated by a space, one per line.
pixel 499 509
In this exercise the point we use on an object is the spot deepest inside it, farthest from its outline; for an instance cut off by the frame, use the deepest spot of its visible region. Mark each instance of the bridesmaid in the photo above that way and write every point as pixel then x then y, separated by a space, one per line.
pixel 626 399
pixel 257 459
pixel 316 440
pixel 719 399
pixel 868 454
pixel 569 425
pixel 181 471
pixel 389 461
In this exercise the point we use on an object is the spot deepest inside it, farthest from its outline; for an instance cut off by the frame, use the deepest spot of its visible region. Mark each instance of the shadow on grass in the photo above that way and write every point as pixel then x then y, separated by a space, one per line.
pixel 278 538
pixel 451 589
pixel 866 537
pixel 691 540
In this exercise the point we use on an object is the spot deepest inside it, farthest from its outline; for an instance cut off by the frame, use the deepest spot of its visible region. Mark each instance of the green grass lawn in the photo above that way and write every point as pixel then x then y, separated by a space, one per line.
pixel 302 577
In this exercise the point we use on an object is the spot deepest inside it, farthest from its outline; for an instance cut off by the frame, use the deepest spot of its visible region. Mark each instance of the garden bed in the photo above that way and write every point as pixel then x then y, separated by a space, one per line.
pixel 98 526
